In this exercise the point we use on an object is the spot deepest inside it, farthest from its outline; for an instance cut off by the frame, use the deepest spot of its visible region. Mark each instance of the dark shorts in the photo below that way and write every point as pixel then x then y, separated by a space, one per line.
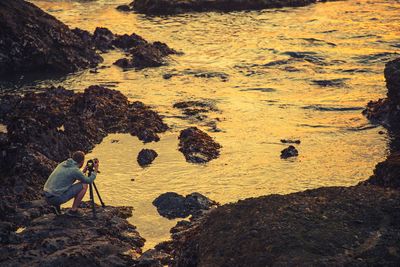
pixel 67 195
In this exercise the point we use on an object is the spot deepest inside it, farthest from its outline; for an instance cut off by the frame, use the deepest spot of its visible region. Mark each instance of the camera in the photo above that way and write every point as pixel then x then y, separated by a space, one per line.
pixel 90 164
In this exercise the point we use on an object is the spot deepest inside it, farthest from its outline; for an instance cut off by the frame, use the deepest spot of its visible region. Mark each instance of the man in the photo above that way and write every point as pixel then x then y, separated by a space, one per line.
pixel 61 187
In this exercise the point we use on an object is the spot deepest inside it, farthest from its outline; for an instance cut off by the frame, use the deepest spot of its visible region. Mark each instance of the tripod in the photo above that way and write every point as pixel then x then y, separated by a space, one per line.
pixel 92 197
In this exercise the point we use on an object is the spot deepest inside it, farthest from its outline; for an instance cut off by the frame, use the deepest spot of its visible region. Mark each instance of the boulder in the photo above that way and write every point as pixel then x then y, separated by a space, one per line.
pixel 146 157
pixel 172 205
pixel 34 41
pixel 197 146
pixel 288 152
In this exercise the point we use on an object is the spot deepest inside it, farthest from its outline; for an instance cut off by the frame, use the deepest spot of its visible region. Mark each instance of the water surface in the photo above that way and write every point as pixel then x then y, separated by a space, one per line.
pixel 303 73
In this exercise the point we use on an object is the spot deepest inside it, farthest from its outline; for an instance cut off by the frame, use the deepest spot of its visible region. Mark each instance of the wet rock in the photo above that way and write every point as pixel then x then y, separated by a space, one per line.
pixel 51 240
pixel 153 257
pixel 125 8
pixel 198 74
pixel 126 42
pixel 34 41
pixel 386 173
pixel 296 229
pixel 197 146
pixel 288 152
pixel 290 141
pixel 172 205
pixel 146 157
pixel 43 130
pixel 146 55
pixel 386 111
pixel 330 83
pixel 158 7
pixel 103 39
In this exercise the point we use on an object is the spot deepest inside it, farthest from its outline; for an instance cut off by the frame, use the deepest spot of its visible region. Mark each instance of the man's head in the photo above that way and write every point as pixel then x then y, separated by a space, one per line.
pixel 79 157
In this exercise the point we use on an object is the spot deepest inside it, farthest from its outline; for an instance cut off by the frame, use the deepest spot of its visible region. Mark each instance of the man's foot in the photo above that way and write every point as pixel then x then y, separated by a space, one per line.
pixel 56 210
pixel 73 213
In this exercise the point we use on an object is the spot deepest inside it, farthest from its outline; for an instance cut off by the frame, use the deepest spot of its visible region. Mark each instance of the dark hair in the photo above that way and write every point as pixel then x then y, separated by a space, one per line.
pixel 78 156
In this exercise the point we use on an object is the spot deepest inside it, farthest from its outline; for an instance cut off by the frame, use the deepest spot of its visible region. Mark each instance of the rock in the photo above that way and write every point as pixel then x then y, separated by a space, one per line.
pixel 43 130
pixel 159 7
pixel 386 173
pixel 33 41
pixel 325 226
pixel 290 141
pixel 124 8
pixel 197 146
pixel 146 157
pixel 288 152
pixel 126 42
pixel 172 205
pixel 392 76
pixel 103 39
pixel 51 240
pixel 144 55
pixel 155 257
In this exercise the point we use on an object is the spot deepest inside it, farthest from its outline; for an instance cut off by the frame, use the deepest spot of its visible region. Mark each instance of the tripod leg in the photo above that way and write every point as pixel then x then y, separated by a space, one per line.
pixel 92 201
pixel 98 194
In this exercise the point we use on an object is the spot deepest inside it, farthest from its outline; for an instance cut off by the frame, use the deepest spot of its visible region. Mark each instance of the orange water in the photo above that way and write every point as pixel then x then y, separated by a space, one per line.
pixel 351 40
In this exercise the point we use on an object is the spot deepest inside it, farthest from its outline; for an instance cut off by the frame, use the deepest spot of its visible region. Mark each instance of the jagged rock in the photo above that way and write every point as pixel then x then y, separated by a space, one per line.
pixel 51 240
pixel 336 226
pixel 33 41
pixel 158 7
pixel 290 141
pixel 288 152
pixel 146 157
pixel 387 111
pixel 197 146
pixel 386 173
pixel 43 129
pixel 172 205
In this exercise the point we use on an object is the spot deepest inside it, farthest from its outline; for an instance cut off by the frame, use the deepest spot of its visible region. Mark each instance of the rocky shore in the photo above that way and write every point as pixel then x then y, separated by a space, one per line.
pixel 168 7
pixel 34 42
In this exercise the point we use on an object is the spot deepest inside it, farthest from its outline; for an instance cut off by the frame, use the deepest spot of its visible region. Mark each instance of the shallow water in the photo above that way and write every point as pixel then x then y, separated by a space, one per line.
pixel 303 73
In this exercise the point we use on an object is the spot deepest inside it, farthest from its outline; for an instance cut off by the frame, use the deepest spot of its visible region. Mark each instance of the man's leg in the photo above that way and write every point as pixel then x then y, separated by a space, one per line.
pixel 78 197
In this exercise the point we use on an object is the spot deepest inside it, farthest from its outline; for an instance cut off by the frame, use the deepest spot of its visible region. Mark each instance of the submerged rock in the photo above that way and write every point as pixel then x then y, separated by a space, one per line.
pixel 146 157
pixel 288 152
pixel 198 146
pixel 158 7
pixel 34 41
pixel 290 141
pixel 172 205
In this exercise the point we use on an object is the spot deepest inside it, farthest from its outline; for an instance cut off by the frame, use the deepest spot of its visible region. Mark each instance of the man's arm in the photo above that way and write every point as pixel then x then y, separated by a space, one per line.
pixel 86 179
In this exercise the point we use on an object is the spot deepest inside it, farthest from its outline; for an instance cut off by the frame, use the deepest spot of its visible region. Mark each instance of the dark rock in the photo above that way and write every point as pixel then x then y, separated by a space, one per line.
pixel 34 41
pixel 155 257
pixel 172 205
pixel 158 7
pixel 290 141
pixel 386 173
pixel 144 55
pixel 327 226
pixel 146 157
pixel 103 39
pixel 52 240
pixel 124 8
pixel 288 152
pixel 198 146
pixel 126 42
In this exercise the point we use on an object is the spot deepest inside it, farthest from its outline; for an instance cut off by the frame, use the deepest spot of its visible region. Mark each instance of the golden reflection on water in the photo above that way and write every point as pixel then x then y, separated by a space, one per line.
pixel 347 40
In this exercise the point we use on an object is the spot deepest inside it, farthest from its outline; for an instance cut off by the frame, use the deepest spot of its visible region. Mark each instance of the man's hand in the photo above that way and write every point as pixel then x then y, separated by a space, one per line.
pixel 96 165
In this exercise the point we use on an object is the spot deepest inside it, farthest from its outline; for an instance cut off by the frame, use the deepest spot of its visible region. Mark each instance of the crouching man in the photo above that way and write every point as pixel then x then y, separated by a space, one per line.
pixel 60 187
